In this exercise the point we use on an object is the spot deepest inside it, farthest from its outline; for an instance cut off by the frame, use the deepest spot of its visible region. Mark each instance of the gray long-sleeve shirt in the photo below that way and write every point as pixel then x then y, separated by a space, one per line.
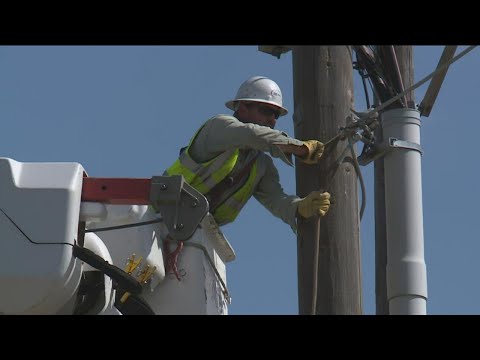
pixel 224 132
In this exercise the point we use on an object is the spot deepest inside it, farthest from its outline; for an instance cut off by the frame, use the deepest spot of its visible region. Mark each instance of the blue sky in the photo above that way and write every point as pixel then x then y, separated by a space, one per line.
pixel 124 111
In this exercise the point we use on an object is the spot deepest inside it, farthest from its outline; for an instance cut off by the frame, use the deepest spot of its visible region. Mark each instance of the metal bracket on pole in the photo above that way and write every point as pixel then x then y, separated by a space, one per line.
pixel 275 50
pixel 377 151
pixel 395 143
pixel 182 207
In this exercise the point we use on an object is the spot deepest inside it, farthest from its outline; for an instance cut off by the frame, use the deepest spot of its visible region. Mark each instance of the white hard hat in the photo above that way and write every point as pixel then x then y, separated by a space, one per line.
pixel 259 89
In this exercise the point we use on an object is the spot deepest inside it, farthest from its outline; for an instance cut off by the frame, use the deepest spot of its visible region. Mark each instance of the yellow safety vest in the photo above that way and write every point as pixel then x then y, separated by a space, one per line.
pixel 204 176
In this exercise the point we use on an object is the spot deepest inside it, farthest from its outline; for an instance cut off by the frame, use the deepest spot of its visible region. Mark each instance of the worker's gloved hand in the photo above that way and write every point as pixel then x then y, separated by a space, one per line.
pixel 315 151
pixel 315 203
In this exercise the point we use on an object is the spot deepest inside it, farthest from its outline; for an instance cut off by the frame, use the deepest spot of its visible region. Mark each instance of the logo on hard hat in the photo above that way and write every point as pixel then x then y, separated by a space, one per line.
pixel 275 93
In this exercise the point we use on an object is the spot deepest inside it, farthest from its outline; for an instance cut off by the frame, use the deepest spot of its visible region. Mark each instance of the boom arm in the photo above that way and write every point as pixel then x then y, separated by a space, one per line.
pixel 182 207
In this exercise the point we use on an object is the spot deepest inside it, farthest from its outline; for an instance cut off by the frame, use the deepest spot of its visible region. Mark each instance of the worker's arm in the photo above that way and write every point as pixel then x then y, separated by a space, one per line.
pixel 224 132
pixel 271 195
pixel 300 151
pixel 309 153
pixel 289 208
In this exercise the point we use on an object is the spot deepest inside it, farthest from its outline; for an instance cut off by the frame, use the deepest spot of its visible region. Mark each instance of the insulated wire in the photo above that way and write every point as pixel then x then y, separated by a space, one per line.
pixel 419 83
pixel 124 226
pixel 28 238
pixel 360 178
pixel 316 247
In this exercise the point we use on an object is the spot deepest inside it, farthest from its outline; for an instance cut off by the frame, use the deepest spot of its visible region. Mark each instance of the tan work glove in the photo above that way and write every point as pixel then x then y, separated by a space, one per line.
pixel 315 151
pixel 315 203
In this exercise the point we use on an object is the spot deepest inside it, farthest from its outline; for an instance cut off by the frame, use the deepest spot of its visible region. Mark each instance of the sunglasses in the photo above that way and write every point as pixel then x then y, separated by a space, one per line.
pixel 265 110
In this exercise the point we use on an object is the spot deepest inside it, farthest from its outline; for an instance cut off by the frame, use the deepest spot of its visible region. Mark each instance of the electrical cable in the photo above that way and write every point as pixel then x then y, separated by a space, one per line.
pixel 316 247
pixel 360 178
pixel 419 83
pixel 124 226
pixel 28 238
pixel 94 260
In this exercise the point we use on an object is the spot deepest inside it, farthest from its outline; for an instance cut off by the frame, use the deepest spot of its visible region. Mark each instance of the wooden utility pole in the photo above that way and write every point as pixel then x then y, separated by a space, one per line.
pixel 404 58
pixel 323 96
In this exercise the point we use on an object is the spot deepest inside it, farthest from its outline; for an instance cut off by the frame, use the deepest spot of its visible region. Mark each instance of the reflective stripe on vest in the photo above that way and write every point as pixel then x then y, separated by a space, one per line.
pixel 230 208
pixel 204 176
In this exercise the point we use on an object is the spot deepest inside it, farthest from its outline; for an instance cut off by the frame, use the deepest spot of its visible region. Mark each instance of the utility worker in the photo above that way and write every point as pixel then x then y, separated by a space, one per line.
pixel 226 161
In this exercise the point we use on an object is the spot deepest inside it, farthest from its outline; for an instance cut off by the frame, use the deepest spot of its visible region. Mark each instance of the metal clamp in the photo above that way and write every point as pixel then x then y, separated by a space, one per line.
pixel 377 151
pixel 395 143
pixel 182 206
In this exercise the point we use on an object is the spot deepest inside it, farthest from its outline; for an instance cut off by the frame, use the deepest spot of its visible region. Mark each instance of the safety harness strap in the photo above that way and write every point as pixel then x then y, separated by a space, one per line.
pixel 215 194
